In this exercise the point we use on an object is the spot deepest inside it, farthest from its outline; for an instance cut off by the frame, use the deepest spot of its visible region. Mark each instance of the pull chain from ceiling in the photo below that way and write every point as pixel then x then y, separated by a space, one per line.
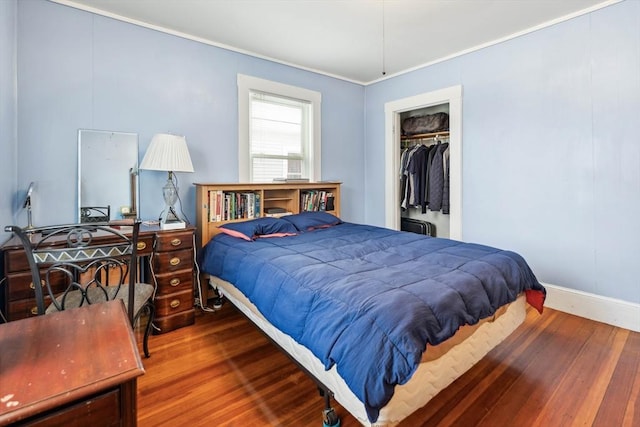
pixel 384 71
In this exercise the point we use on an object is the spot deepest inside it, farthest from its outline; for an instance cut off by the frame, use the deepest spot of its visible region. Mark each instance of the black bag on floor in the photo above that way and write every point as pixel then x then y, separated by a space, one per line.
pixel 417 226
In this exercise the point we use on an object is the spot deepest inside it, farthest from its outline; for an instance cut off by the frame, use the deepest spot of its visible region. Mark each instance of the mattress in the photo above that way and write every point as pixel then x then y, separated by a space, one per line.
pixel 433 374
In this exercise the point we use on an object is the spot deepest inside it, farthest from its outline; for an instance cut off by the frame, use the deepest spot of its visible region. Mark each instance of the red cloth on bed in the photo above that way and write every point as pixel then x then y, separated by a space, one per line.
pixel 536 299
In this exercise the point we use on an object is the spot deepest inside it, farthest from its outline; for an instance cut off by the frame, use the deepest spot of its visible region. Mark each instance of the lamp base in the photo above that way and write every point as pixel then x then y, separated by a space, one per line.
pixel 169 220
pixel 172 225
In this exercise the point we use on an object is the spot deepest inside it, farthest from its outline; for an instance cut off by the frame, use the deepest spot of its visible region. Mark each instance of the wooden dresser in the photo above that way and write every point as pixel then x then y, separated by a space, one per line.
pixel 166 260
pixel 172 267
pixel 78 365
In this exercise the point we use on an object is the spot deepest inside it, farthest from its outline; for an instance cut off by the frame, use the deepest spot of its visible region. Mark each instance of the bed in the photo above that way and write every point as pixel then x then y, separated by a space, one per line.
pixel 332 294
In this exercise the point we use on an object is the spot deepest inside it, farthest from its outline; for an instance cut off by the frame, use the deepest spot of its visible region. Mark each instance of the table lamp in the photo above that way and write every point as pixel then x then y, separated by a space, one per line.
pixel 168 153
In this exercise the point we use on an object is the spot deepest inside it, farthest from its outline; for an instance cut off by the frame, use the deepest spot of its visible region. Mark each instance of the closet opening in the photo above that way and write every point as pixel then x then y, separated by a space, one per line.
pixel 428 112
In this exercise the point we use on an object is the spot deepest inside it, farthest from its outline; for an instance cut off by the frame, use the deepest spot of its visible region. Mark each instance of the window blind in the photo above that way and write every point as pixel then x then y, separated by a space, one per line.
pixel 279 137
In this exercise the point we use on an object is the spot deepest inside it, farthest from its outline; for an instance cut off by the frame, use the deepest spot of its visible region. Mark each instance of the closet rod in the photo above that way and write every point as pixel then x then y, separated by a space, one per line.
pixel 434 138
pixel 426 135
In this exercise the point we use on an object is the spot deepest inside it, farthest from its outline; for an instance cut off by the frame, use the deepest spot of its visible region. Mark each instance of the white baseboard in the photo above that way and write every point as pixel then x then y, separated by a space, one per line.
pixel 603 309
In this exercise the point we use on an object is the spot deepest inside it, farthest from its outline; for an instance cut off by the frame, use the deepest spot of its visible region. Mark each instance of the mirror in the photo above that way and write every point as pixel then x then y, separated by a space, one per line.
pixel 107 175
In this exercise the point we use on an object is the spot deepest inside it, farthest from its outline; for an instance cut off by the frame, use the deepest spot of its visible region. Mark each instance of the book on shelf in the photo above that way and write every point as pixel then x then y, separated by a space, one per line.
pixel 274 209
pixel 316 200
pixel 218 205
pixel 215 205
pixel 330 202
pixel 232 205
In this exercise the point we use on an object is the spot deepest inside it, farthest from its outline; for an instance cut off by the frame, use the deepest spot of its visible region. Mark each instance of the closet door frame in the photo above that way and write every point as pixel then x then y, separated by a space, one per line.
pixel 392 110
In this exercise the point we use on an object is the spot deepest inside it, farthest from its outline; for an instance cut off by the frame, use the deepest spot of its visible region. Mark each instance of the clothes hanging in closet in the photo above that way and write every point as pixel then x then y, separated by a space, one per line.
pixel 445 189
pixel 424 177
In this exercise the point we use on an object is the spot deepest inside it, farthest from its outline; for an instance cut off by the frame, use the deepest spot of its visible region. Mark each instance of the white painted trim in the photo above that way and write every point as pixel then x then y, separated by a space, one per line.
pixel 453 96
pixel 603 309
pixel 247 83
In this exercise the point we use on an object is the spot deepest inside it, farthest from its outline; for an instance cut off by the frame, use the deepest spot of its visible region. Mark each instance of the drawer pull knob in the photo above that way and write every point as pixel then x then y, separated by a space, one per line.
pixel 176 242
pixel 174 303
pixel 32 286
pixel 174 261
pixel 174 282
pixel 141 245
pixel 34 311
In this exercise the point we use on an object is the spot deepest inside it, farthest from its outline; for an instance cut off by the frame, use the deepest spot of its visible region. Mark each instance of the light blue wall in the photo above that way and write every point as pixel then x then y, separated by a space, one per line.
pixel 551 152
pixel 80 70
pixel 8 143
pixel 551 158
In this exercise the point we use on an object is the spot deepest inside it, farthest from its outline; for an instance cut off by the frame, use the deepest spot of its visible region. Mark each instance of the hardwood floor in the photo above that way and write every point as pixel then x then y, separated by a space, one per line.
pixel 554 370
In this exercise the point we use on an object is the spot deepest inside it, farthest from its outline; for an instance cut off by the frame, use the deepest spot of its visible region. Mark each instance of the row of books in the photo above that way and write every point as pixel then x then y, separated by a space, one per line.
pixel 233 205
pixel 316 200
pixel 227 206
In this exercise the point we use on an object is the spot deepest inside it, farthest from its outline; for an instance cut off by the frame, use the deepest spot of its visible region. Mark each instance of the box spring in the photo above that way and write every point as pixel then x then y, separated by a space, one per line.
pixel 431 377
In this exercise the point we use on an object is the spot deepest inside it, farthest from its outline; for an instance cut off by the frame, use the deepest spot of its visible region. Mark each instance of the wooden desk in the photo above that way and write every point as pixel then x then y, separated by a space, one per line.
pixel 166 261
pixel 75 367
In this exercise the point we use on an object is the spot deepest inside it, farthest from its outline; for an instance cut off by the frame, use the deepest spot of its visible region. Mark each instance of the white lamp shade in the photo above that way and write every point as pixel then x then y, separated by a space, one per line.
pixel 167 153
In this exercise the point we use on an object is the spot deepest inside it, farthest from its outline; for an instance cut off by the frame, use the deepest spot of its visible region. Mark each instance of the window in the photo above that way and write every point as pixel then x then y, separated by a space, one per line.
pixel 278 137
pixel 279 131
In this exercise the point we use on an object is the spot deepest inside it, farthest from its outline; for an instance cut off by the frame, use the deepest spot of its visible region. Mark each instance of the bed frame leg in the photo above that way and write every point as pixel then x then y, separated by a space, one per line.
pixel 218 298
pixel 329 416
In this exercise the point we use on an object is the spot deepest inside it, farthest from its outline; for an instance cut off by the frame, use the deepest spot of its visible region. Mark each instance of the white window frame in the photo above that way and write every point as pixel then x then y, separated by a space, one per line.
pixel 246 84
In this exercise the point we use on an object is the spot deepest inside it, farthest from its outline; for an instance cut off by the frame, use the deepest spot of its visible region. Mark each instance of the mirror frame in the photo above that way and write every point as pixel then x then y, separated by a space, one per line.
pixel 106 150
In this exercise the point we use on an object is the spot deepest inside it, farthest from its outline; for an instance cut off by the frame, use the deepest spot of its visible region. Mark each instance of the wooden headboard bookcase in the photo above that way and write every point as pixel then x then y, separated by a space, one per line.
pixel 270 197
pixel 258 200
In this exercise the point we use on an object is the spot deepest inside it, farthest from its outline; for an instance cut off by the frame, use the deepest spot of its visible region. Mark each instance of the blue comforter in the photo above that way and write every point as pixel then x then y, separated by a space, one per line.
pixel 367 299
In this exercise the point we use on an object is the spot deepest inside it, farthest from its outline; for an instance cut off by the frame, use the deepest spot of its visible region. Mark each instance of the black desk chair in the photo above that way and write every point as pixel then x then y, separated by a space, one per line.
pixel 81 264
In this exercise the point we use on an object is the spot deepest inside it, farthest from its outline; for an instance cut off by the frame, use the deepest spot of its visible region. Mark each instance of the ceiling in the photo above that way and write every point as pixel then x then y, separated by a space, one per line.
pixel 356 40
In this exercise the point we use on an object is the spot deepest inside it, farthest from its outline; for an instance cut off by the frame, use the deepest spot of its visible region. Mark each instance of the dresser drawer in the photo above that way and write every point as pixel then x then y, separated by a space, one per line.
pixel 165 262
pixel 20 285
pixel 175 321
pixel 99 411
pixel 23 308
pixel 174 241
pixel 15 260
pixel 173 282
pixel 167 305
pixel 145 245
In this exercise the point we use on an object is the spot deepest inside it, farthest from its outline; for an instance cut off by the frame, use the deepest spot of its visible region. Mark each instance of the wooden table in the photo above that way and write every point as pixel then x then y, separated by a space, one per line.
pixel 75 367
